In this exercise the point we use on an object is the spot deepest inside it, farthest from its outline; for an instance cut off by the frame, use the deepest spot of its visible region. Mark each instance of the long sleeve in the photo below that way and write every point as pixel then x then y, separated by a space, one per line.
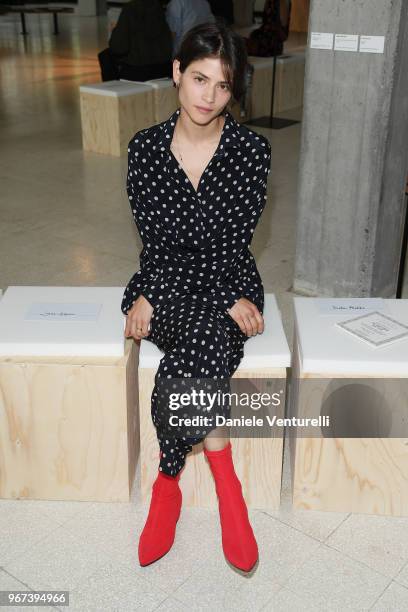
pixel 182 271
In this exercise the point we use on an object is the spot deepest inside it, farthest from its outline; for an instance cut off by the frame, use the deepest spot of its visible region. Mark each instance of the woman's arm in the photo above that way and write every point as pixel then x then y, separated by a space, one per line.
pixel 183 272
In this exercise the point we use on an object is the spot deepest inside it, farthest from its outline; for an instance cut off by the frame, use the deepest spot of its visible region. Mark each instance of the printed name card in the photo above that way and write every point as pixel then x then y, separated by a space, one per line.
pixel 321 40
pixel 63 311
pixel 349 305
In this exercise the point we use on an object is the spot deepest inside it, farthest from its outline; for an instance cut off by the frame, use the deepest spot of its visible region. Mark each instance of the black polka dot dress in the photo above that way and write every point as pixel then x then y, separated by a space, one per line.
pixel 195 262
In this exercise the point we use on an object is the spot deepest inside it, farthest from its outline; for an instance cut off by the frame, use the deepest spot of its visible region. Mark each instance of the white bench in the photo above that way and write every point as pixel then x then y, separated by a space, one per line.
pixel 165 98
pixel 112 112
pixel 289 83
pixel 258 461
pixel 68 398
pixel 348 474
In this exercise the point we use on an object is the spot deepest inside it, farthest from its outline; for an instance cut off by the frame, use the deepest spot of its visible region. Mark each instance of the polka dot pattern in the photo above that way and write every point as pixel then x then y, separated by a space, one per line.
pixel 195 262
pixel 196 241
pixel 199 342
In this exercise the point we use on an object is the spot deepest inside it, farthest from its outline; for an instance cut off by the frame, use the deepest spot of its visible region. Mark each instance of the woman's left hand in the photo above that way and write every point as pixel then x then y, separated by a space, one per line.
pixel 247 316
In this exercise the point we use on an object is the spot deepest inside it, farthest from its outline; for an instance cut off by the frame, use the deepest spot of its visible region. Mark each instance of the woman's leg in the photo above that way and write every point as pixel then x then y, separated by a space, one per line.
pixel 238 540
pixel 109 65
pixel 217 439
pixel 196 347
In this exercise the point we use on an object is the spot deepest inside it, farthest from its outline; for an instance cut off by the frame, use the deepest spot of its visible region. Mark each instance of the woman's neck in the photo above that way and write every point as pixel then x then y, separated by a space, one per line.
pixel 193 134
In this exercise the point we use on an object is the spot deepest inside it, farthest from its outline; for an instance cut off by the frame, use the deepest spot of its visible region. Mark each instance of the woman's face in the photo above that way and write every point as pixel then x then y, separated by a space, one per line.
pixel 203 91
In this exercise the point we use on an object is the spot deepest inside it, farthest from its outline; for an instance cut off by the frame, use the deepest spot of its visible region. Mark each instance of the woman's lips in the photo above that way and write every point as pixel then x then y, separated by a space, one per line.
pixel 204 110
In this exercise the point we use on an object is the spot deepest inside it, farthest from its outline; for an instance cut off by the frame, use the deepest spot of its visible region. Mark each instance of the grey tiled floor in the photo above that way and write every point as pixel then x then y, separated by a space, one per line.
pixel 65 220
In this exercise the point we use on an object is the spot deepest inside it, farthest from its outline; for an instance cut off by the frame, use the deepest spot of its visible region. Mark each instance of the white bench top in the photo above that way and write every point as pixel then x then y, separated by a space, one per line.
pixel 162 83
pixel 115 89
pixel 325 348
pixel 70 331
pixel 267 350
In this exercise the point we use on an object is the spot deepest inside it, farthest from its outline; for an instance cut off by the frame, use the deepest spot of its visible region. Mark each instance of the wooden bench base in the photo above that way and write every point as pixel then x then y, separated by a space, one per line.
pixel 69 427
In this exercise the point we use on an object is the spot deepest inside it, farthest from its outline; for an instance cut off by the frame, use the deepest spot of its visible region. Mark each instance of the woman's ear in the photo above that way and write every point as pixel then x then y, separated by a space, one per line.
pixel 176 71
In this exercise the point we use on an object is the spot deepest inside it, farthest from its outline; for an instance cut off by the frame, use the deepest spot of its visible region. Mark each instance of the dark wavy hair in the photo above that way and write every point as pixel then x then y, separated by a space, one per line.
pixel 217 40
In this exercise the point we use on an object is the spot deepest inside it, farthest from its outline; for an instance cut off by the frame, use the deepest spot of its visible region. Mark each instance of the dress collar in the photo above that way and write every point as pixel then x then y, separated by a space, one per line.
pixel 231 136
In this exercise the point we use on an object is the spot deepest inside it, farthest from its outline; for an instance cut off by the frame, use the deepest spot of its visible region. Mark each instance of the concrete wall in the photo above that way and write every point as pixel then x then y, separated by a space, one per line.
pixel 354 154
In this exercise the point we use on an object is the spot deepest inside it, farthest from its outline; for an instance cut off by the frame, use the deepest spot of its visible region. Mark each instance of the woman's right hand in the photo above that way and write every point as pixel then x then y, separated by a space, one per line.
pixel 247 316
pixel 138 319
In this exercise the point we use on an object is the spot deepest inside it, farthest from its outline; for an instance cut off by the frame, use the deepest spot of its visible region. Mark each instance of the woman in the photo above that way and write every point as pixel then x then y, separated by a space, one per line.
pixel 197 187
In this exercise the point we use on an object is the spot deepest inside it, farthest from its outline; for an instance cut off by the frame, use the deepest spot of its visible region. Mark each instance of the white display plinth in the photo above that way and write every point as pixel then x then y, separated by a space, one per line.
pixel 258 462
pixel 68 398
pixel 351 474
pixel 115 89
pixel 111 114
pixel 59 332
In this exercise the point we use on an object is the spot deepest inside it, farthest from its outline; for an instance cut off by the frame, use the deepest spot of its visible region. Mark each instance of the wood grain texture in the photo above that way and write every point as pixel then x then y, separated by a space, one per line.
pixel 258 462
pixel 299 16
pixel 69 430
pixel 289 84
pixel 365 475
pixel 108 123
pixel 165 101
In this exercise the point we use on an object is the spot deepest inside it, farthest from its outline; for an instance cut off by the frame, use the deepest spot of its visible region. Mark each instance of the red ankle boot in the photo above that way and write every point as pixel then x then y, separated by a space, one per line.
pixel 159 531
pixel 238 540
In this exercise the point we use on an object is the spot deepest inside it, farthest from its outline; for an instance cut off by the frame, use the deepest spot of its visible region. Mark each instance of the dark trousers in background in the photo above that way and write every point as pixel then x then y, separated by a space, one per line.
pixel 113 69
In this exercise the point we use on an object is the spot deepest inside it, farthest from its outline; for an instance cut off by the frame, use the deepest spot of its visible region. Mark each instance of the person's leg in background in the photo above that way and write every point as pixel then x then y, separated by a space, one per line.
pixel 109 65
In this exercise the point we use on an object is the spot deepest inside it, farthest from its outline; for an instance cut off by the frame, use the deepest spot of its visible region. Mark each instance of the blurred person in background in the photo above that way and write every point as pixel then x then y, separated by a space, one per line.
pixel 140 45
pixel 223 9
pixel 268 40
pixel 182 15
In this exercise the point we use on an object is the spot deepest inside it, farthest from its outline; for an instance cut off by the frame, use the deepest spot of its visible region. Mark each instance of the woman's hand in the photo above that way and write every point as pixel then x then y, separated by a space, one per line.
pixel 138 319
pixel 247 316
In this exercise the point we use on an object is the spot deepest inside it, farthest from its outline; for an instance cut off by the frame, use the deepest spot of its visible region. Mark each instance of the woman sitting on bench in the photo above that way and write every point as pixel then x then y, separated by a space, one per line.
pixel 197 188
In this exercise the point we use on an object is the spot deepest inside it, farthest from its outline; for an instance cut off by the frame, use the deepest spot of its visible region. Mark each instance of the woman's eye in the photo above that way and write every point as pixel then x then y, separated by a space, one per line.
pixel 199 79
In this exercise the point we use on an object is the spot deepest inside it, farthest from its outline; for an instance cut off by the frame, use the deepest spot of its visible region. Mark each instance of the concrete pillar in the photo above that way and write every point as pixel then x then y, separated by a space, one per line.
pixel 354 154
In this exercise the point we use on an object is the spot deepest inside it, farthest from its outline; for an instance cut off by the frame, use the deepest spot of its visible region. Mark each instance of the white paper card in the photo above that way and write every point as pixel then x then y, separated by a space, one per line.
pixel 346 42
pixel 375 328
pixel 372 44
pixel 345 306
pixel 63 311
pixel 321 40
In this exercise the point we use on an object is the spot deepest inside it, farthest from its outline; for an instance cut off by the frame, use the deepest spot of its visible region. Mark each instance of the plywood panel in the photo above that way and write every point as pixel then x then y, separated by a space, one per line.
pixel 108 122
pixel 365 475
pixel 69 431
